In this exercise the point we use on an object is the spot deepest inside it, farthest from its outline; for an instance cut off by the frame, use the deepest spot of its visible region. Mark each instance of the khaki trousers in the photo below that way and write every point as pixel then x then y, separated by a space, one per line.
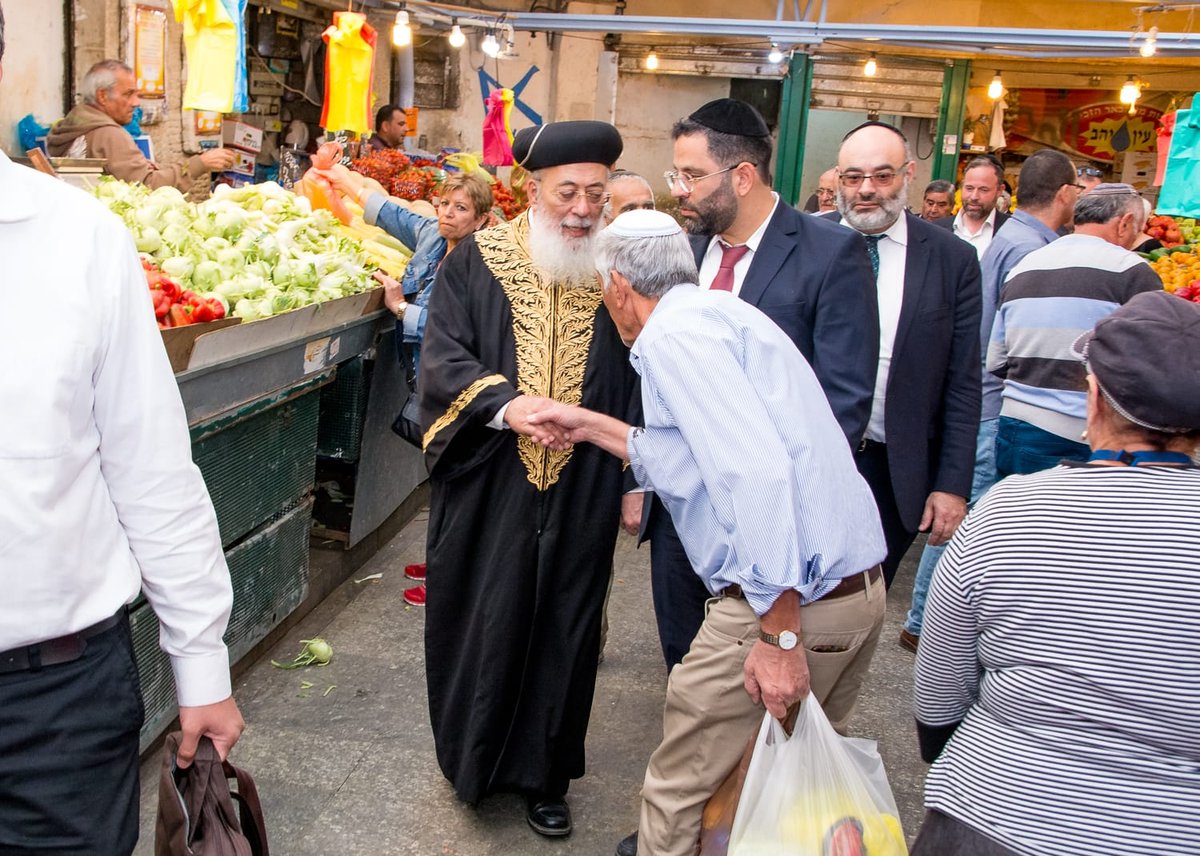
pixel 708 716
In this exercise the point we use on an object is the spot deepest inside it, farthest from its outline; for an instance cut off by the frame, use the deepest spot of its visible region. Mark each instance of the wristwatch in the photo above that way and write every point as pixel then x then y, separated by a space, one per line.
pixel 399 313
pixel 786 640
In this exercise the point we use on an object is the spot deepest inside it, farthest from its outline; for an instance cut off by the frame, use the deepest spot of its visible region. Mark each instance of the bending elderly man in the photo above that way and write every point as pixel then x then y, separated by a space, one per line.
pixel 770 509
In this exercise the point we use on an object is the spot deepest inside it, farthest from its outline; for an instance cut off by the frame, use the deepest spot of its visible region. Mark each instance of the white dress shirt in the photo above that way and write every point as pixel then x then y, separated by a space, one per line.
pixel 893 251
pixel 711 262
pixel 100 496
pixel 979 240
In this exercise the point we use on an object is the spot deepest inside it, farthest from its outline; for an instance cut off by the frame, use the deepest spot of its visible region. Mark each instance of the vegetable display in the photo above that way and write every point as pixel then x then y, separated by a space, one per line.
pixel 260 250
pixel 1173 232
pixel 178 307
pixel 1179 269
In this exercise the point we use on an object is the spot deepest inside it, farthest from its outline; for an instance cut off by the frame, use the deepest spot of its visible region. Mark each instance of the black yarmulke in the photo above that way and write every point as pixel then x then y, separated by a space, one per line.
pixel 730 116
pixel 558 143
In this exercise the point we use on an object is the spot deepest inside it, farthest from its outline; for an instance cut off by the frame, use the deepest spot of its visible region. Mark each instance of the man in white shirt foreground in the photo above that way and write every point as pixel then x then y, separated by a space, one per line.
pixel 743 449
pixel 100 499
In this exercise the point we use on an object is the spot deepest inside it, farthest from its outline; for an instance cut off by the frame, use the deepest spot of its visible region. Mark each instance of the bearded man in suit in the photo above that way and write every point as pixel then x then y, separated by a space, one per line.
pixel 810 276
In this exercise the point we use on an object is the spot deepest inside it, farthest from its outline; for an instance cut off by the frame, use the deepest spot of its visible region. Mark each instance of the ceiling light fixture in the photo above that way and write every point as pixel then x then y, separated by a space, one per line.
pixel 1150 46
pixel 652 61
pixel 456 37
pixel 1130 93
pixel 996 87
pixel 776 55
pixel 490 46
pixel 870 67
pixel 401 30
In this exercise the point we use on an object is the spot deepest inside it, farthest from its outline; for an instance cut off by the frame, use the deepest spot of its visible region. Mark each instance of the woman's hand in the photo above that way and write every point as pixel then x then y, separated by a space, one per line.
pixel 393 293
pixel 343 180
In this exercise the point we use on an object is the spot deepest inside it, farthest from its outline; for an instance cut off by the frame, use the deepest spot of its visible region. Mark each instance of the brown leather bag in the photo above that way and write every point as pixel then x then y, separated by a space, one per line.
pixel 196 815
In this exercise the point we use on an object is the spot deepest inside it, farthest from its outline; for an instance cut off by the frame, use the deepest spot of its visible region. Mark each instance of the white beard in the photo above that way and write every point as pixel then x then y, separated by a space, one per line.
pixel 566 261
pixel 882 218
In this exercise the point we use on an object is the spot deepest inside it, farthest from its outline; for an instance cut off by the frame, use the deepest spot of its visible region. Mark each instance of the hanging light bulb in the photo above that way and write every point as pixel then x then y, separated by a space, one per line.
pixel 456 37
pixel 996 87
pixel 1130 93
pixel 776 55
pixel 490 46
pixel 870 67
pixel 652 61
pixel 1150 46
pixel 401 30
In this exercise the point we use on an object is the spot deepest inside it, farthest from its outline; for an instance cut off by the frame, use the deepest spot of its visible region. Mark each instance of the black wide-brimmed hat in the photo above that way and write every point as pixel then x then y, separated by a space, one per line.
pixel 558 143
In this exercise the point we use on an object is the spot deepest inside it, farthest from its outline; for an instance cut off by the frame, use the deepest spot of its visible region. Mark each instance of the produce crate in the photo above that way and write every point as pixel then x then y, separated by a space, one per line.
pixel 269 570
pixel 259 459
pixel 343 410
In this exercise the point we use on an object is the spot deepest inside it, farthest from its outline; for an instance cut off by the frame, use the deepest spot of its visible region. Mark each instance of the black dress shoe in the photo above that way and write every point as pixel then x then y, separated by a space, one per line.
pixel 549 816
pixel 628 846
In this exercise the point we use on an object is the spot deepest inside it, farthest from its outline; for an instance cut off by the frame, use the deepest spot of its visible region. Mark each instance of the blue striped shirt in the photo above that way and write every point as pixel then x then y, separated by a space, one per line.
pixel 742 448
pixel 1021 234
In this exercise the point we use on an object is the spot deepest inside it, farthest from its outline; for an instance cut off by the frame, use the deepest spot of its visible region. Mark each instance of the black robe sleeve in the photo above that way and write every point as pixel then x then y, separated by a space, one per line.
pixel 467 362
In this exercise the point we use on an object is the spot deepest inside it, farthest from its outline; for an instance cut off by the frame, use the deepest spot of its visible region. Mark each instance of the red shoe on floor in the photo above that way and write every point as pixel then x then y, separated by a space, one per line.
pixel 415 596
pixel 415 572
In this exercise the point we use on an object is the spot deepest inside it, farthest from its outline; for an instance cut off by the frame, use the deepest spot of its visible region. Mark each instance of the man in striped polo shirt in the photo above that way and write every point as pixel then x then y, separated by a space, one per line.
pixel 1049 299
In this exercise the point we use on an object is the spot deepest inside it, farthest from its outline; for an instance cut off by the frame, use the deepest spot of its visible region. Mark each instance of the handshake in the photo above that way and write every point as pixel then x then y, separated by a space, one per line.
pixel 548 422
pixel 559 426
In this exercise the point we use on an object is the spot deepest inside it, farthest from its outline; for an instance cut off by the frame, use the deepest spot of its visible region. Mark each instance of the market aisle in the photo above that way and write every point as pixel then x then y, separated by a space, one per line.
pixel 352 771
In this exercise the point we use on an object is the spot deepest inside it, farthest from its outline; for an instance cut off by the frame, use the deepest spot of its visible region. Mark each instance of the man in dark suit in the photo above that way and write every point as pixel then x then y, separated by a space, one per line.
pixel 978 221
pixel 919 451
pixel 812 277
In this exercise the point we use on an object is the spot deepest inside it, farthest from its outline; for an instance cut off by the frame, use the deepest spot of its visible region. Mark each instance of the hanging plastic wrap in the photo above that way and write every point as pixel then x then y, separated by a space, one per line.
pixel 497 130
pixel 241 94
pixel 213 40
pixel 349 65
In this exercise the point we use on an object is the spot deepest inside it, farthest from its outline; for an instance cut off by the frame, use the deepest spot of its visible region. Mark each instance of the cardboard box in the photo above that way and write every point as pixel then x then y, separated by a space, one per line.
pixel 1138 169
pixel 233 179
pixel 265 83
pixel 239 135
pixel 244 162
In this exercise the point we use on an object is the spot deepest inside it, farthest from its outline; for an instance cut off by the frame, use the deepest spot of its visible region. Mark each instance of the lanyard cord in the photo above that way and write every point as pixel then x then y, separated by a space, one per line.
pixel 1133 459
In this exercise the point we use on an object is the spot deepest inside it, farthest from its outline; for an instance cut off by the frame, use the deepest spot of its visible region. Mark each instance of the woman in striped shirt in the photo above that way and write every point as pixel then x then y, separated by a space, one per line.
pixel 1058 678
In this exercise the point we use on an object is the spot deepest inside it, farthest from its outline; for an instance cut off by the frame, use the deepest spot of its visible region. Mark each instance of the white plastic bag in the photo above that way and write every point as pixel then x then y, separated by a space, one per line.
pixel 815 793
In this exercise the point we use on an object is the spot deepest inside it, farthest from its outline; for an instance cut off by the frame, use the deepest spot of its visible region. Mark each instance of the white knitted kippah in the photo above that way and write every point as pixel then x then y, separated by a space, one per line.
pixel 643 223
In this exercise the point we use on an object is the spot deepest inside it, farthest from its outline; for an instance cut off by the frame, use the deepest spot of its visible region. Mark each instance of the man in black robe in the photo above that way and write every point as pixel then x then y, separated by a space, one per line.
pixel 521 537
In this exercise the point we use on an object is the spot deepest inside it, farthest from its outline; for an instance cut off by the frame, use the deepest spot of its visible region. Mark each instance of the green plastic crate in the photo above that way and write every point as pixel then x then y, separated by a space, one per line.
pixel 343 410
pixel 263 461
pixel 269 570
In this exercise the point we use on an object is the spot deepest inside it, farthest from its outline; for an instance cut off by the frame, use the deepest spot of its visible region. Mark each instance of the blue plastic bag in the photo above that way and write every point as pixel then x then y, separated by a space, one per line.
pixel 28 131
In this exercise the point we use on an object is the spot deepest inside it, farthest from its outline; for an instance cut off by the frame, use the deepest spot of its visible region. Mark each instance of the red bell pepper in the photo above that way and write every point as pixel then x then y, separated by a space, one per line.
pixel 179 316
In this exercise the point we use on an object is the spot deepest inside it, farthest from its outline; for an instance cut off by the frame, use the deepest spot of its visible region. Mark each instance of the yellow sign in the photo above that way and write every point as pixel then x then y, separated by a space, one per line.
pixel 150 36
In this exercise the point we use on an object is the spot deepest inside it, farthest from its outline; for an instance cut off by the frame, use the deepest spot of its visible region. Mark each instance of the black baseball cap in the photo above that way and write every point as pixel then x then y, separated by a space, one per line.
pixel 1146 359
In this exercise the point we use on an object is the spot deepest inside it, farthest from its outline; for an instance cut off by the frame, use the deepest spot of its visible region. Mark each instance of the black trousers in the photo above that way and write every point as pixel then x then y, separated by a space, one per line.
pixel 872 465
pixel 679 596
pixel 942 835
pixel 69 753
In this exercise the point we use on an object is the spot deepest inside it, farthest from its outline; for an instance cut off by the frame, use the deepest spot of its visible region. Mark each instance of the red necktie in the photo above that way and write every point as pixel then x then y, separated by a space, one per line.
pixel 723 281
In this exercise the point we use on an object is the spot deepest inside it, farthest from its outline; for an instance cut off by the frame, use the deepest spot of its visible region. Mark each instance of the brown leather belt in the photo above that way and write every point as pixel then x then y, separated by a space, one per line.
pixel 849 585
pixel 54 652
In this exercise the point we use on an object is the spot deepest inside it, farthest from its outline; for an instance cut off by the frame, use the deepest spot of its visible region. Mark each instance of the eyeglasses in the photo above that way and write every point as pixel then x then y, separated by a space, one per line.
pixel 883 178
pixel 825 191
pixel 685 183
pixel 1089 171
pixel 1075 184
pixel 567 196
